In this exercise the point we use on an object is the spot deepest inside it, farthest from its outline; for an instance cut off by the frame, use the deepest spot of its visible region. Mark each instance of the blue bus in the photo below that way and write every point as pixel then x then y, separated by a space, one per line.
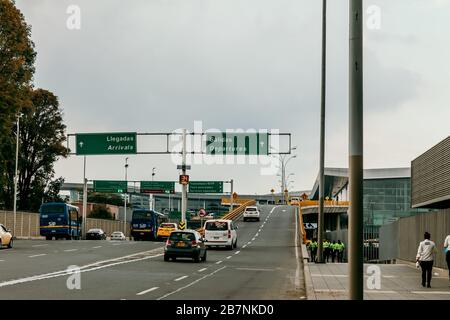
pixel 60 221
pixel 145 224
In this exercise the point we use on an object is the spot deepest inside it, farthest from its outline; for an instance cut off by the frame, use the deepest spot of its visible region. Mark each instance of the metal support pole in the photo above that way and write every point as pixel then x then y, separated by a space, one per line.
pixel 231 195
pixel 125 201
pixel 321 216
pixel 85 195
pixel 184 186
pixel 356 262
pixel 16 174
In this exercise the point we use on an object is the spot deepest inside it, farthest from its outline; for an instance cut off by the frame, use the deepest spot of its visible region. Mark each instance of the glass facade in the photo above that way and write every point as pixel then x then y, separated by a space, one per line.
pixel 386 200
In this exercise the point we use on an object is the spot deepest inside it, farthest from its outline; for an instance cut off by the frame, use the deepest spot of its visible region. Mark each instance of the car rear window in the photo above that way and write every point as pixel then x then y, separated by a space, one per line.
pixel 251 209
pixel 167 225
pixel 182 236
pixel 216 226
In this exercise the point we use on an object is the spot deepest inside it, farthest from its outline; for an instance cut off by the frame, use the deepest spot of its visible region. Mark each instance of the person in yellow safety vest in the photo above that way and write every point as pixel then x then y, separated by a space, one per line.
pixel 326 250
pixel 340 247
pixel 333 251
pixel 313 248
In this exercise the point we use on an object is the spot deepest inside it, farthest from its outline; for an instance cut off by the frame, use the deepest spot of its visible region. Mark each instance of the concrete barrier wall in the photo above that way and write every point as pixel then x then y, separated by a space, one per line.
pixel 401 239
pixel 27 224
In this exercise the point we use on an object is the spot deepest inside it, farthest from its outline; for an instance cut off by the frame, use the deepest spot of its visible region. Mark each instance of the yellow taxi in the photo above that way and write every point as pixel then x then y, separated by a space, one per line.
pixel 165 229
pixel 6 238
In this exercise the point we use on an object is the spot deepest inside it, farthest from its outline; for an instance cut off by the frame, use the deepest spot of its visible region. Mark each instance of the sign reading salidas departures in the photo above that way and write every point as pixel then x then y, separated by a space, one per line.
pixel 224 143
pixel 106 143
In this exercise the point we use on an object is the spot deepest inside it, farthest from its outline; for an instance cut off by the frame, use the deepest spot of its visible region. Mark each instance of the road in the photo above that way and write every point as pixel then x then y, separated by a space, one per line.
pixel 265 266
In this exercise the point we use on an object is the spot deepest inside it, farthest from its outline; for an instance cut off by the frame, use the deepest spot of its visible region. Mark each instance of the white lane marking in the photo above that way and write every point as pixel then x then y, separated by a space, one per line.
pixel 297 255
pixel 249 243
pixel 2 260
pixel 229 257
pixel 98 247
pixel 219 262
pixel 253 239
pixel 254 269
pixel 39 245
pixel 329 276
pixel 238 252
pixel 204 269
pixel 70 250
pixel 273 209
pixel 190 284
pixel 181 278
pixel 116 244
pixel 38 255
pixel 86 268
pixel 244 246
pixel 257 235
pixel 147 291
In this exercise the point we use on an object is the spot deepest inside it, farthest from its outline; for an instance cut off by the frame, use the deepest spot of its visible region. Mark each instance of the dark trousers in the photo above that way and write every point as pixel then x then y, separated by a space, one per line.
pixel 427 272
pixel 333 256
pixel 313 255
pixel 340 256
pixel 448 262
pixel 326 254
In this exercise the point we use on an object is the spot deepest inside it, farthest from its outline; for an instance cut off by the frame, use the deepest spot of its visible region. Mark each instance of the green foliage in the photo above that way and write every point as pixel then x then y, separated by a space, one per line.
pixel 104 198
pixel 101 212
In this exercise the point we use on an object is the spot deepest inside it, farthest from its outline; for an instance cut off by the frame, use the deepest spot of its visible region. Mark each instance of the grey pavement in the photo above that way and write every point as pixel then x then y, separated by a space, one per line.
pixel 264 266
pixel 397 282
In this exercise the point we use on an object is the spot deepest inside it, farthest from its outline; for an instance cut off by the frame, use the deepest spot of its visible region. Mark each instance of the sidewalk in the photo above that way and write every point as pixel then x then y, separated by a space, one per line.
pixel 398 282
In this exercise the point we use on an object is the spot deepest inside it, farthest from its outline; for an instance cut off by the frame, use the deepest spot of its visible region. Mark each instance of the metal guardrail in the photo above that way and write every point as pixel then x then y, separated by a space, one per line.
pixel 235 214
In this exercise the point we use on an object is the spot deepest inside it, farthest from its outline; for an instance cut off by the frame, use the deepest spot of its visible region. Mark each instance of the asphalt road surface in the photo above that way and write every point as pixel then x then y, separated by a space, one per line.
pixel 266 266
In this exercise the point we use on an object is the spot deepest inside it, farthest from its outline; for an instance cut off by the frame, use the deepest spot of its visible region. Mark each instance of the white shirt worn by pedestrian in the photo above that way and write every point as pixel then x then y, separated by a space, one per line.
pixel 447 242
pixel 426 251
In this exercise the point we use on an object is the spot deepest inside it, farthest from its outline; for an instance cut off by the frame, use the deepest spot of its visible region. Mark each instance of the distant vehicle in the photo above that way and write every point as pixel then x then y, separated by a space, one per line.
pixel 220 233
pixel 165 229
pixel 145 224
pixel 60 221
pixel 6 238
pixel 95 234
pixel 251 213
pixel 185 244
pixel 294 201
pixel 118 235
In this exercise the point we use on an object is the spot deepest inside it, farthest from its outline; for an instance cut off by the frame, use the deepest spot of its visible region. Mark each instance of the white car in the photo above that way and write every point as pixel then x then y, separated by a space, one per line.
pixel 221 233
pixel 251 213
pixel 117 235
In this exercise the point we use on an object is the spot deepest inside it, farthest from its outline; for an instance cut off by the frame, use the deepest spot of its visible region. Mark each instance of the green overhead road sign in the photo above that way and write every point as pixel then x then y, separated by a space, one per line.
pixel 106 143
pixel 157 187
pixel 222 143
pixel 107 186
pixel 206 187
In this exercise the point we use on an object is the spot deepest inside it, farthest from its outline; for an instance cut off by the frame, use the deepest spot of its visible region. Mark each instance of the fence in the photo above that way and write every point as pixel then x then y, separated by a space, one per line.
pixel 27 224
pixel 401 239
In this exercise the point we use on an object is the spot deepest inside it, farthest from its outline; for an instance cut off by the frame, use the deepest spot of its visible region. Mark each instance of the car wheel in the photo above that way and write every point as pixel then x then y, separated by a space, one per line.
pixel 10 245
pixel 174 259
pixel 204 257
pixel 166 258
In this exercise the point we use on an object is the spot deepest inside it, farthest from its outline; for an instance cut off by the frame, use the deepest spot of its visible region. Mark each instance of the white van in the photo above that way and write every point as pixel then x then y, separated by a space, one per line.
pixel 220 233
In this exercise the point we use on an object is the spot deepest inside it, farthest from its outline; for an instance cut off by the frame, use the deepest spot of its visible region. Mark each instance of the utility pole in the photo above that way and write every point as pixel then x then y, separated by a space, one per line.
pixel 321 217
pixel 356 259
pixel 16 173
pixel 85 192
pixel 125 201
pixel 184 186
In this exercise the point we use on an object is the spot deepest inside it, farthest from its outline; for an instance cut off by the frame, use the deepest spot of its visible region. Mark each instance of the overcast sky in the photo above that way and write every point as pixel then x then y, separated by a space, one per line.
pixel 160 65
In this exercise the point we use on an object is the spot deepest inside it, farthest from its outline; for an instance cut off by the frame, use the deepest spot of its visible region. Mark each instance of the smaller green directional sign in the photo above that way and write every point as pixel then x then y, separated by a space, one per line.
pixel 108 186
pixel 225 143
pixel 157 187
pixel 206 187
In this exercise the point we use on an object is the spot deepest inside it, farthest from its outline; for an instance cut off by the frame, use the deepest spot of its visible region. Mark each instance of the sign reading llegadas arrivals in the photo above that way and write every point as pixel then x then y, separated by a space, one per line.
pixel 106 143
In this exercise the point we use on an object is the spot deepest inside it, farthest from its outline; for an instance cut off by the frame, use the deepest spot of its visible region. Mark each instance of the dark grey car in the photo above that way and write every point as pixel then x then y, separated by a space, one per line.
pixel 185 244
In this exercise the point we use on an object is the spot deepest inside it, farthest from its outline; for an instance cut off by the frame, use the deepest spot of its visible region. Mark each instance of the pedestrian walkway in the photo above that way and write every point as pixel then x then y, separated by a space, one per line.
pixel 397 282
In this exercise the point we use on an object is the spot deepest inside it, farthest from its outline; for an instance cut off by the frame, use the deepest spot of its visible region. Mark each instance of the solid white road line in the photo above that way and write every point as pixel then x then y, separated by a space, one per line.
pixel 70 250
pixel 181 278
pixel 38 255
pixel 190 284
pixel 254 269
pixel 204 269
pixel 430 292
pixel 147 291
pixel 297 255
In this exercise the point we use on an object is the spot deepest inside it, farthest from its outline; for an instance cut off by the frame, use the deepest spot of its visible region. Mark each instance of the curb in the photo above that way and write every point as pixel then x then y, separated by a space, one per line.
pixel 310 292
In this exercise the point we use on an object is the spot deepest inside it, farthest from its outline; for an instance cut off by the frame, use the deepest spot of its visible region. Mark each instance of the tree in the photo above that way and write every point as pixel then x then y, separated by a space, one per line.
pixel 17 58
pixel 101 212
pixel 52 191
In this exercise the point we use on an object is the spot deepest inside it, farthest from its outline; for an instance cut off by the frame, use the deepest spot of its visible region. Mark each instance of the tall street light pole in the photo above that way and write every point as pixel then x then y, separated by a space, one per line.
pixel 126 195
pixel 16 173
pixel 321 217
pixel 356 262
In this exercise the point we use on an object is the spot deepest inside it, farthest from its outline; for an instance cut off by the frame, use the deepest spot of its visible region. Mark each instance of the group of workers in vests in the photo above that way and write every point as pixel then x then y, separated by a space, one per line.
pixel 334 250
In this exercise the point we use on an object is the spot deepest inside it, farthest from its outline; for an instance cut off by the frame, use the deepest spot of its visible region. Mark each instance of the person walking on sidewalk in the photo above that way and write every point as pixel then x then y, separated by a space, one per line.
pixel 425 257
pixel 447 253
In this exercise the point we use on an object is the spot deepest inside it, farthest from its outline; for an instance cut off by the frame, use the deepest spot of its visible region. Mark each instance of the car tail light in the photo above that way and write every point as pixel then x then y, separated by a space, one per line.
pixel 168 242
pixel 229 234
pixel 194 243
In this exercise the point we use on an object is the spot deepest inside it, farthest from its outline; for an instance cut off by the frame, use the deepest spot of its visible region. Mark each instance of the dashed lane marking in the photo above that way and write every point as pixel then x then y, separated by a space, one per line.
pixel 147 291
pixel 229 257
pixel 39 245
pixel 181 278
pixel 219 262
pixel 70 250
pixel 98 247
pixel 37 255
pixel 202 270
pixel 237 252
